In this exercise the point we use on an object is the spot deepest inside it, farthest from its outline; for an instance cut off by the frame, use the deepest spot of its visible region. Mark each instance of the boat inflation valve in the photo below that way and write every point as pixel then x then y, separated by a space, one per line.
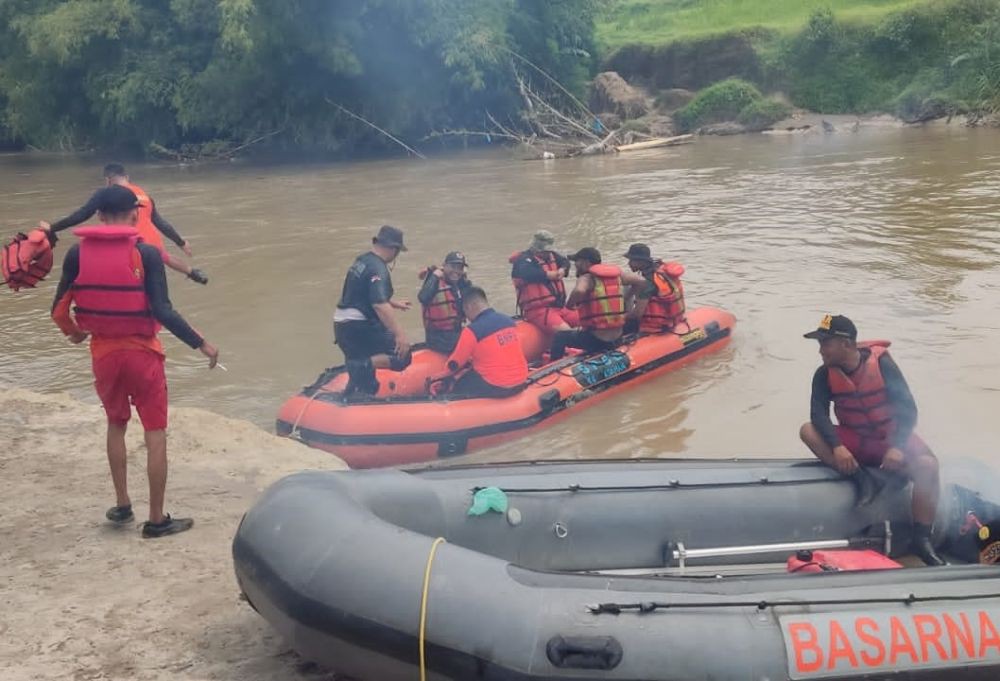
pixel 561 530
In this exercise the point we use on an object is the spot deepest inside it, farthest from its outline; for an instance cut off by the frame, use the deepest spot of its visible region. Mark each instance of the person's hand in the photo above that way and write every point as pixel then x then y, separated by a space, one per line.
pixel 402 346
pixel 893 460
pixel 78 337
pixel 439 385
pixel 556 276
pixel 403 305
pixel 198 276
pixel 844 461
pixel 211 352
pixel 186 247
pixel 42 224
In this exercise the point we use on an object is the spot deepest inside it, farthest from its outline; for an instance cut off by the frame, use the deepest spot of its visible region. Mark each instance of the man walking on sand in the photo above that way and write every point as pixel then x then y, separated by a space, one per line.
pixel 117 287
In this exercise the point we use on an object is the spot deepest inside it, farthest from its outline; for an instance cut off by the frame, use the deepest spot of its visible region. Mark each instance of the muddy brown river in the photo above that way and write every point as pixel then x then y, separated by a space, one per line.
pixel 897 228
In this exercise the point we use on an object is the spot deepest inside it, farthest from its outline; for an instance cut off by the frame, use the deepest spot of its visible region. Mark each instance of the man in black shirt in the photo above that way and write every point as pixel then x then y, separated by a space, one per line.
pixel 364 324
pixel 876 415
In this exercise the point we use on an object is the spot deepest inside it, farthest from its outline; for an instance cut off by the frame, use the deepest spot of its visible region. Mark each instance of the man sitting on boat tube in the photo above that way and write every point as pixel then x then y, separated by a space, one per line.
pixel 599 298
pixel 876 415
pixel 491 346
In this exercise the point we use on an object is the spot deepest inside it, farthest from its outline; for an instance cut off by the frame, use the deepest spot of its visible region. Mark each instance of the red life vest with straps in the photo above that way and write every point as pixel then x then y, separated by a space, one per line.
pixel 604 306
pixel 860 400
pixel 27 259
pixel 144 217
pixel 538 295
pixel 109 294
pixel 444 312
pixel 665 309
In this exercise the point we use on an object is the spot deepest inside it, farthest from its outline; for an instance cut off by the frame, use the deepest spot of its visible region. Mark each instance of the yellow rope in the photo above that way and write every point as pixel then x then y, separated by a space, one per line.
pixel 423 604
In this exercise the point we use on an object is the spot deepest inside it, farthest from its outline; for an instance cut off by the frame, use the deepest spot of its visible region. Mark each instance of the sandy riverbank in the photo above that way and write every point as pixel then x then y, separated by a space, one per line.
pixel 83 600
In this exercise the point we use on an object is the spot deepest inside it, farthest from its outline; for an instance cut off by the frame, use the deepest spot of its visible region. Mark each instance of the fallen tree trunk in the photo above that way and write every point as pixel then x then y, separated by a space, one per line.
pixel 656 143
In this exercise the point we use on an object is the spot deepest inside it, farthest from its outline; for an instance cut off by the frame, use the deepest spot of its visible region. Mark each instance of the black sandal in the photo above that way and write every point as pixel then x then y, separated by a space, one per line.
pixel 166 527
pixel 120 514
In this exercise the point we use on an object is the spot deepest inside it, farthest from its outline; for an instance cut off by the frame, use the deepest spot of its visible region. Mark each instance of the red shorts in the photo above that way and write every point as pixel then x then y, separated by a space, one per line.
pixel 549 319
pixel 871 452
pixel 127 377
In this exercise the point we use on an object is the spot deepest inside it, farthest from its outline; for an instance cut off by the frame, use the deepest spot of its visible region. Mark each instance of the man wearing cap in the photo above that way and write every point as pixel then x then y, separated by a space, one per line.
pixel 538 275
pixel 149 222
pixel 876 415
pixel 116 287
pixel 599 300
pixel 657 292
pixel 364 324
pixel 441 299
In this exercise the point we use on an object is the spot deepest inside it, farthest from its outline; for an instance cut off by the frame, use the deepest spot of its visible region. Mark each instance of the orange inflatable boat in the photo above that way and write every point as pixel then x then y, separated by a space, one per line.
pixel 403 425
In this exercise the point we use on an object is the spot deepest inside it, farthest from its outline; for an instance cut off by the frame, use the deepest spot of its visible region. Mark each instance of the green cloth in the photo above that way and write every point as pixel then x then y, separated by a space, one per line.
pixel 488 499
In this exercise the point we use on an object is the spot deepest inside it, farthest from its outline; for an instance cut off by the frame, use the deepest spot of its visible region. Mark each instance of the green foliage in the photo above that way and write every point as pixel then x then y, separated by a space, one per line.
pixel 720 102
pixel 763 113
pixel 126 73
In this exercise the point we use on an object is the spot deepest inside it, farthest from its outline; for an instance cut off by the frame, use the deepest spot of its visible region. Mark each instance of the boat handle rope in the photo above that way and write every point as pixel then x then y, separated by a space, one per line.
pixel 652 606
pixel 423 605
pixel 673 484
pixel 294 433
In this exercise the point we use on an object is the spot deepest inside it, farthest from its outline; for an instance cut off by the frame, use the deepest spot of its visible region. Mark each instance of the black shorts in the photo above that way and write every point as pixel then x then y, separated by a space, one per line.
pixel 358 340
pixel 471 384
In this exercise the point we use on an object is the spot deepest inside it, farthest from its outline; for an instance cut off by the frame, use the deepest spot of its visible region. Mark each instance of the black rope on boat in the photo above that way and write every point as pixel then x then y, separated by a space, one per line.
pixel 652 606
pixel 672 484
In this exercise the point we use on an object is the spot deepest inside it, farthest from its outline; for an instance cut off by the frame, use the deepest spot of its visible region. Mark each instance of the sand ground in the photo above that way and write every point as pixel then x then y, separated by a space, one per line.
pixel 82 600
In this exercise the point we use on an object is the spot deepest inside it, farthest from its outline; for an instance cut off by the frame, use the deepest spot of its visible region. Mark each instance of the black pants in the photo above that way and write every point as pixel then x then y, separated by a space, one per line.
pixel 362 339
pixel 584 340
pixel 442 341
pixel 472 384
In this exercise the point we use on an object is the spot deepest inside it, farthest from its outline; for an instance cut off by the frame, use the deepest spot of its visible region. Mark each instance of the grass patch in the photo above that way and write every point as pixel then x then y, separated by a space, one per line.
pixel 763 113
pixel 723 101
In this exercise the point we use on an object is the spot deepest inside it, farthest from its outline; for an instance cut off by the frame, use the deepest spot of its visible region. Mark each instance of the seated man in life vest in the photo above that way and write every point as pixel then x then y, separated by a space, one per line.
pixel 150 223
pixel 491 346
pixel 441 299
pixel 656 288
pixel 876 415
pixel 599 299
pixel 538 275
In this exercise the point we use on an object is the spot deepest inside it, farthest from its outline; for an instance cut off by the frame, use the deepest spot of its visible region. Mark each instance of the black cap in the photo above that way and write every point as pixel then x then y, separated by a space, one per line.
pixel 115 199
pixel 389 236
pixel 589 253
pixel 639 252
pixel 455 258
pixel 834 326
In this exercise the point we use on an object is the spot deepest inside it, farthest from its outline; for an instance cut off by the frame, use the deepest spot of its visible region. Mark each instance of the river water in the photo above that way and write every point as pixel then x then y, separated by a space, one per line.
pixel 897 228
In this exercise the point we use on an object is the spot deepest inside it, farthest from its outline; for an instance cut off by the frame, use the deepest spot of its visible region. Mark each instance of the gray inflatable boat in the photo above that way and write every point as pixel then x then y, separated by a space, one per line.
pixel 638 570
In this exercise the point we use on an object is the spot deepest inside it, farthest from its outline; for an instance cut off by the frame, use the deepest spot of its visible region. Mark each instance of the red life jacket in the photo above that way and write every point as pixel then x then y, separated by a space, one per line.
pixel 665 309
pixel 109 293
pixel 860 401
pixel 144 220
pixel 444 312
pixel 27 259
pixel 604 306
pixel 534 296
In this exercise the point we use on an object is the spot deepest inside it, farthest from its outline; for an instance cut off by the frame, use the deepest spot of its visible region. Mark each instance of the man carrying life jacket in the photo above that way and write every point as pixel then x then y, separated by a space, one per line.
pixel 441 299
pixel 599 299
pixel 149 222
pixel 538 275
pixel 27 259
pixel 364 324
pixel 114 289
pixel 876 415
pixel 658 292
pixel 491 346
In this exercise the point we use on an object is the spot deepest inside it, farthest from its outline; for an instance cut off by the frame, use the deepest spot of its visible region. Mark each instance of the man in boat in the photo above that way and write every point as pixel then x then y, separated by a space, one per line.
pixel 441 299
pixel 657 292
pixel 538 275
pixel 599 300
pixel 876 415
pixel 364 324
pixel 490 346
pixel 151 225
pixel 117 287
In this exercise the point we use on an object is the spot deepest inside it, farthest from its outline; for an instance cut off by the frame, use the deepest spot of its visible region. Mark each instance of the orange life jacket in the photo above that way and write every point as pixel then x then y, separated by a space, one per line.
pixel 860 401
pixel 444 312
pixel 144 222
pixel 538 295
pixel 604 306
pixel 665 309
pixel 27 259
pixel 109 295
